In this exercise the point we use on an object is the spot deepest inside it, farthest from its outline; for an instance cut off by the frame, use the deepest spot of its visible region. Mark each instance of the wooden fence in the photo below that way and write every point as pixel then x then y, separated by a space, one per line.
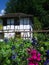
pixel 25 30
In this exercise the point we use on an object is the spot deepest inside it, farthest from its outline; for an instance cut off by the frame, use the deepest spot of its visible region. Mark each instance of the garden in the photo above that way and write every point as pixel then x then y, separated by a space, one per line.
pixel 25 52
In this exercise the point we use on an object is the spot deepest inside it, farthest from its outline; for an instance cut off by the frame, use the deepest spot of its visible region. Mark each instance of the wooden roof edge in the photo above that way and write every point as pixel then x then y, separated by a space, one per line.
pixel 16 15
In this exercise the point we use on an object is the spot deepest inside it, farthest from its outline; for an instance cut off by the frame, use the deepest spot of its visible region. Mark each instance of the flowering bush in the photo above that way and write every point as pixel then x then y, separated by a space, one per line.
pixel 47 58
pixel 35 57
pixel 13 52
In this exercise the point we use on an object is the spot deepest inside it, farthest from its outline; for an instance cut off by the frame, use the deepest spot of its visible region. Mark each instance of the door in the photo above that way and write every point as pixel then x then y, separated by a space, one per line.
pixel 18 34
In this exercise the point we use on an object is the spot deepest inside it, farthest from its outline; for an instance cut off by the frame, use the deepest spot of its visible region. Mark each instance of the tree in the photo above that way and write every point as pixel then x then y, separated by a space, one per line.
pixel 37 24
pixel 34 7
pixel 11 6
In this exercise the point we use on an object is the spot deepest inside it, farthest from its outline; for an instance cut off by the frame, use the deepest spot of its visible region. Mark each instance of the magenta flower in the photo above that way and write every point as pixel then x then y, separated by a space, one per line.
pixel 36 64
pixel 35 57
pixel 38 54
pixel 31 64
pixel 38 58
pixel 33 52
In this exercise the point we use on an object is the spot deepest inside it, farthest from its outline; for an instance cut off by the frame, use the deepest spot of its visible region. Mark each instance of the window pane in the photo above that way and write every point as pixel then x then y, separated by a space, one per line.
pixel 0 22
pixel 8 22
pixel 16 22
pixel 4 22
pixel 12 21
pixel 25 21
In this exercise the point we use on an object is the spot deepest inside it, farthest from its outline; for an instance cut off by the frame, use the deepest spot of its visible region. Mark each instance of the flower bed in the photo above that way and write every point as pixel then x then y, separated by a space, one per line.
pixel 23 52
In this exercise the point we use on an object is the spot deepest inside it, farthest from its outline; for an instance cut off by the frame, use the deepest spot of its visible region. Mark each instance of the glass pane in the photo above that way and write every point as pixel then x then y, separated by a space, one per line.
pixel 4 22
pixel 1 22
pixel 16 22
pixel 25 21
pixel 12 21
pixel 8 22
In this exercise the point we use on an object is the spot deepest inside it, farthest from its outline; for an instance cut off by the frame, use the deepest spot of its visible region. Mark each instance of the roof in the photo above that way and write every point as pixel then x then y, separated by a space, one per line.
pixel 15 15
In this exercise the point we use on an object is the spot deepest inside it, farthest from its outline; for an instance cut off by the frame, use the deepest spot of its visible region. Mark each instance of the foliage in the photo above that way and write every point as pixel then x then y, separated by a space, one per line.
pixel 14 52
pixel 1 27
pixel 37 24
pixel 42 36
pixel 34 58
pixel 38 8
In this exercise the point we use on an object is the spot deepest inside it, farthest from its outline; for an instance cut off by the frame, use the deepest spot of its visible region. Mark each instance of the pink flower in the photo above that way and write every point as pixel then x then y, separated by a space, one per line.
pixel 33 52
pixel 38 58
pixel 34 57
pixel 38 55
pixel 31 64
pixel 36 64
pixel 30 59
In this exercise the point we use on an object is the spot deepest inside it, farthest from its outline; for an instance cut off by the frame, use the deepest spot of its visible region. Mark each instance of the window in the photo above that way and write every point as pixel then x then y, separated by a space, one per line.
pixel 25 21
pixel 4 22
pixel 10 22
pixel 16 22
pixel 18 34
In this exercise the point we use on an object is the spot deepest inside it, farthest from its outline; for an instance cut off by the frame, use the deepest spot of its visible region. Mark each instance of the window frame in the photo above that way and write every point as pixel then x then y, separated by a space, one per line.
pixel 16 22
pixel 10 22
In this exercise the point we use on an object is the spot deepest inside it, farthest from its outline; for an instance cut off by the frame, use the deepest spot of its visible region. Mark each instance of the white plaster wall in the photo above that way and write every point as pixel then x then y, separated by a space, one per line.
pixel 25 34
pixel 27 27
pixel 1 40
pixel 12 27
pixel 17 28
pixel 9 35
pixel 20 28
pixel 4 27
pixel 8 27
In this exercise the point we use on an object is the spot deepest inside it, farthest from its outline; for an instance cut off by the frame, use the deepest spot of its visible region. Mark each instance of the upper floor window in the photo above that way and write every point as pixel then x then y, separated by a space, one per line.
pixel 16 22
pixel 10 22
pixel 1 22
pixel 4 22
pixel 25 21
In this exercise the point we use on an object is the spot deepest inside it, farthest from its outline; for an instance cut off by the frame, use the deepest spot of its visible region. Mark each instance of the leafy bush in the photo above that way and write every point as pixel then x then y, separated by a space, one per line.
pixel 41 36
pixel 14 52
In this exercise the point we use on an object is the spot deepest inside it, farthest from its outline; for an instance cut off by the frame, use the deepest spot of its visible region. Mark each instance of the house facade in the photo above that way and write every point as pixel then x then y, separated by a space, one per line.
pixel 17 25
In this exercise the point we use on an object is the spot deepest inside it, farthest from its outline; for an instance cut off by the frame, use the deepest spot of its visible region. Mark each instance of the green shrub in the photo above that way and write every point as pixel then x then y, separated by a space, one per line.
pixel 40 36
pixel 14 52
